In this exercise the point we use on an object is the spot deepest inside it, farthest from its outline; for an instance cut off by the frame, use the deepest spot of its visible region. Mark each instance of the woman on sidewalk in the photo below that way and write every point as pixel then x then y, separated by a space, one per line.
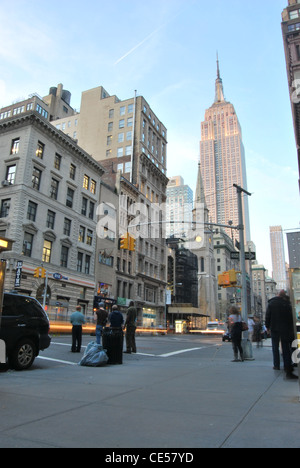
pixel 235 324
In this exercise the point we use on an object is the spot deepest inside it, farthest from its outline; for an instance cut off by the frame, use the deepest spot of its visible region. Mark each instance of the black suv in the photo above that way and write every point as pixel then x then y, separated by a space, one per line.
pixel 25 330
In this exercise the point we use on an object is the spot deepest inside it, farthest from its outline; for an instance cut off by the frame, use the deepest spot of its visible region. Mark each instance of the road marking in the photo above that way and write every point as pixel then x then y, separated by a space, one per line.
pixel 180 352
pixel 58 360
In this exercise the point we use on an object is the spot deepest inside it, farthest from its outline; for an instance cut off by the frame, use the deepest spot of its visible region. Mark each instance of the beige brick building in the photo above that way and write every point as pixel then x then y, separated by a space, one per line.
pixel 131 143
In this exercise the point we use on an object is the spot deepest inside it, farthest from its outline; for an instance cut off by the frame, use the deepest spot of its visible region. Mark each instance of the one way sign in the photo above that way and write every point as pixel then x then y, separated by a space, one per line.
pixel 248 255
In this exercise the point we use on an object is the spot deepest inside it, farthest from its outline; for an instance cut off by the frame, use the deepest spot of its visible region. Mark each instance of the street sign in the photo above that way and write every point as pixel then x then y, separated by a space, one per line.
pixel 18 274
pixel 234 255
pixel 248 255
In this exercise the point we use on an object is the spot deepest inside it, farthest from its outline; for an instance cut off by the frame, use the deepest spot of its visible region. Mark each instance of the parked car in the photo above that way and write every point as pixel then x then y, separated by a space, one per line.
pixel 24 328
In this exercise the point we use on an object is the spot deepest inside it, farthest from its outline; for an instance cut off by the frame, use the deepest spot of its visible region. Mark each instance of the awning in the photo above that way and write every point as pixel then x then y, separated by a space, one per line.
pixel 185 310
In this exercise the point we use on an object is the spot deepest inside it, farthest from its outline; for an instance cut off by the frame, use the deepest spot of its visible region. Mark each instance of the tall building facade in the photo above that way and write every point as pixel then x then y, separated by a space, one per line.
pixel 291 40
pixel 222 158
pixel 130 142
pixel 278 257
pixel 179 207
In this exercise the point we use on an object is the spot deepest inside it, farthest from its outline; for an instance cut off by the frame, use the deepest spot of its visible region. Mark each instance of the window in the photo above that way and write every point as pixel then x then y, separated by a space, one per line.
pixel 122 110
pixel 64 257
pixel 110 126
pixel 40 150
pixel 89 237
pixel 36 178
pixel 129 122
pixel 70 198
pixel 122 123
pixel 54 189
pixel 79 262
pixel 72 172
pixel 127 167
pixel 31 211
pixel 11 174
pixel 92 210
pixel 47 251
pixel 5 206
pixel 84 206
pixel 120 152
pixel 128 150
pixel 129 136
pixel 15 146
pixel 111 113
pixel 130 108
pixel 109 140
pixel 87 264
pixel 27 244
pixel 50 219
pixel 120 137
pixel 57 161
pixel 93 187
pixel 81 237
pixel 67 227
pixel 86 182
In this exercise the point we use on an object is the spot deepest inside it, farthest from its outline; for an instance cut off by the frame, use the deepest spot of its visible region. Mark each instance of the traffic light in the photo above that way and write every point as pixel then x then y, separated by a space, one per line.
pixel 36 273
pixel 40 272
pixel 232 277
pixel 228 279
pixel 124 244
pixel 132 244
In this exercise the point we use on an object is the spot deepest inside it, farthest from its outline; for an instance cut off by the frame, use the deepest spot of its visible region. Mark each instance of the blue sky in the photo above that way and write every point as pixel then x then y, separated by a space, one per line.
pixel 166 50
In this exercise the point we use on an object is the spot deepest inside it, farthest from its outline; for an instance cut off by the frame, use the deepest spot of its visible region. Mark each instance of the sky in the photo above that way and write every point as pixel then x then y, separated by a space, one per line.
pixel 166 50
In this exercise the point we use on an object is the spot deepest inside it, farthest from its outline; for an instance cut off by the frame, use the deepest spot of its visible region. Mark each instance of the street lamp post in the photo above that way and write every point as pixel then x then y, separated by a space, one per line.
pixel 247 345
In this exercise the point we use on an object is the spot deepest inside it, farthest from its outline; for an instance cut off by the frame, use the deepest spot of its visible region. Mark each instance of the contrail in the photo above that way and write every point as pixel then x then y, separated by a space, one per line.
pixel 153 33
pixel 138 45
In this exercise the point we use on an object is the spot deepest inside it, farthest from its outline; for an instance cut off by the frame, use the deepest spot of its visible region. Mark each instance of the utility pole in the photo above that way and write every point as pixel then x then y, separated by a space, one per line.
pixel 247 345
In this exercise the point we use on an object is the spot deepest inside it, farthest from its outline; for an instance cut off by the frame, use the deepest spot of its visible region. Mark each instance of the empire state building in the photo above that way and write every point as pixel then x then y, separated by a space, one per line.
pixel 222 159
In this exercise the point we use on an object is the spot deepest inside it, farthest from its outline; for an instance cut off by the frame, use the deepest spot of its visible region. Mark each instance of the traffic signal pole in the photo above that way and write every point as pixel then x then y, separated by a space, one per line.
pixel 247 345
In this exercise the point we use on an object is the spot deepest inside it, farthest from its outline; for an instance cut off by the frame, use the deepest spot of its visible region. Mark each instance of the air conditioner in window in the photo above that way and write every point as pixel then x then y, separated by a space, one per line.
pixel 5 183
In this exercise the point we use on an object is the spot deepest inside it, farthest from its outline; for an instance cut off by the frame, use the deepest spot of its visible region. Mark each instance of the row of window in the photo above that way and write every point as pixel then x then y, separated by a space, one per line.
pixel 21 109
pixel 88 183
pixel 83 260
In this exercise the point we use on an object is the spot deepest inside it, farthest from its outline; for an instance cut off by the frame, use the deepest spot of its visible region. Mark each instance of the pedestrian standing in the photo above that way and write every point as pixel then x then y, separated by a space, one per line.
pixel 101 317
pixel 279 320
pixel 116 318
pixel 130 325
pixel 235 324
pixel 257 332
pixel 77 320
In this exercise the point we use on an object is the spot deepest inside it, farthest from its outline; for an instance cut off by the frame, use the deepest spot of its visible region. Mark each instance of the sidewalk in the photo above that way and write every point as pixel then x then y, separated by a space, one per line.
pixel 195 400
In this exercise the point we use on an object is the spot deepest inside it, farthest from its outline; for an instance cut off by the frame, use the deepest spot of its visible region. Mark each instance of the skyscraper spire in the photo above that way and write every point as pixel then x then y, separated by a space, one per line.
pixel 219 85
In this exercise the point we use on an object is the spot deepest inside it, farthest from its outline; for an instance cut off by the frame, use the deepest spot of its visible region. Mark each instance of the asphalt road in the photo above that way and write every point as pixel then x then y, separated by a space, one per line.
pixel 148 347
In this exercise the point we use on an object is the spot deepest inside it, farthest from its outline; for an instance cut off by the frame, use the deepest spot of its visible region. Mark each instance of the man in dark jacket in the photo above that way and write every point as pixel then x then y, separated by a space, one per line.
pixel 130 325
pixel 279 320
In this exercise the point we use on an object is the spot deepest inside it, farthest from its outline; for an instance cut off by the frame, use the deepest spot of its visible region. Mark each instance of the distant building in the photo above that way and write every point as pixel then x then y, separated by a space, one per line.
pixel 222 157
pixel 179 207
pixel 278 257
